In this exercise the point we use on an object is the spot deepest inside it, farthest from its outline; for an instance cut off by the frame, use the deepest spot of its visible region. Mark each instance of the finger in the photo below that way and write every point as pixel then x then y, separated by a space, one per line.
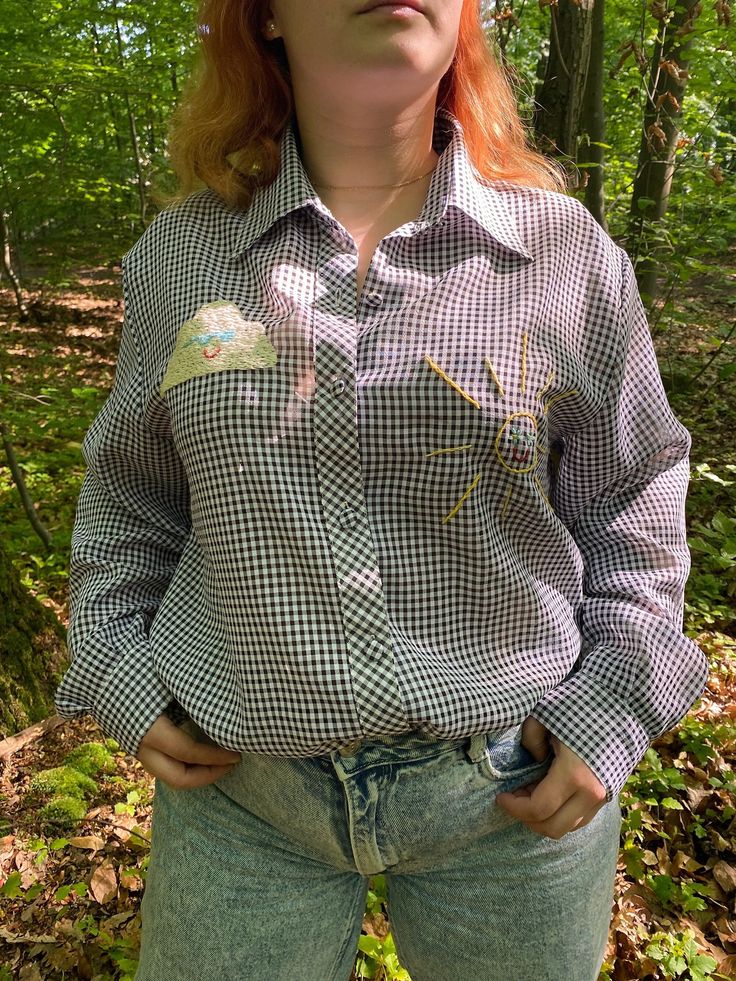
pixel 535 738
pixel 181 775
pixel 575 814
pixel 547 797
pixel 525 791
pixel 173 741
pixel 189 750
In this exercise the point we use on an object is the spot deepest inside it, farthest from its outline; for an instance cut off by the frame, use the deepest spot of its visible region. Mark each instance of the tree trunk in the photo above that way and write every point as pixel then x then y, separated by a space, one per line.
pixel 32 654
pixel 667 82
pixel 17 474
pixel 559 100
pixel 99 60
pixel 7 267
pixel 594 120
pixel 133 130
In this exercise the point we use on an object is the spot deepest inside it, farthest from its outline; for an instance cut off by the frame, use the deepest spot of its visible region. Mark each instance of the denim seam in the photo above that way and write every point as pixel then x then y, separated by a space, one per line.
pixel 357 909
pixel 493 773
pixel 348 773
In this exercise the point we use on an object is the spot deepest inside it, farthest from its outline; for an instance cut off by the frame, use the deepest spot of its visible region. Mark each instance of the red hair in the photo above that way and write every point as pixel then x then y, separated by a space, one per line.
pixel 225 133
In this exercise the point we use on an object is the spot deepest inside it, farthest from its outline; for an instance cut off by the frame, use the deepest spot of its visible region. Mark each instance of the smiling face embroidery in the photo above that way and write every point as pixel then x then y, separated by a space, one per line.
pixel 516 443
pixel 217 338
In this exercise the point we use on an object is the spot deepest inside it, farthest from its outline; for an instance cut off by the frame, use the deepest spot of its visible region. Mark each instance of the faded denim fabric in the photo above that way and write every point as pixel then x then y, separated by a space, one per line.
pixel 263 874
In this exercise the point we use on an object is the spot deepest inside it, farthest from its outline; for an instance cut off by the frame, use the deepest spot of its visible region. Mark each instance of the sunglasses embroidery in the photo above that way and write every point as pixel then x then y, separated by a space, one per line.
pixel 217 338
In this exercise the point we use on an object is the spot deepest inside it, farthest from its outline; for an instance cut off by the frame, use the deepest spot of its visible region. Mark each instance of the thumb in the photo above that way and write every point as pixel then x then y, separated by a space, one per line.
pixel 535 738
pixel 170 739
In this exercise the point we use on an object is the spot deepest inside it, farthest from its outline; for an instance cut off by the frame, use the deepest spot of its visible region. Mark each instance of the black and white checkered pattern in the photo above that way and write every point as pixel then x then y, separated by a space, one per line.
pixel 282 552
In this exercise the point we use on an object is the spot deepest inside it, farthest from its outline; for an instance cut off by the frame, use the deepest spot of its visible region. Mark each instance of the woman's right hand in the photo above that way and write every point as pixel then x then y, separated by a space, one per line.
pixel 172 755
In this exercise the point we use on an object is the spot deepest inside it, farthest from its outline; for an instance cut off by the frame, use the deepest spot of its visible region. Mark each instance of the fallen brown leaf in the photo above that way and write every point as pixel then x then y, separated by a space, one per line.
pixel 725 876
pixel 104 882
pixel 26 938
pixel 727 967
pixel 114 921
pixel 681 861
pixel 88 841
pixel 30 972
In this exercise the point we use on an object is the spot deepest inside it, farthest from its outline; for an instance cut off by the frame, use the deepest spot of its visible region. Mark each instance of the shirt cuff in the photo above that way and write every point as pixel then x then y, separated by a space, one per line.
pixel 129 701
pixel 594 724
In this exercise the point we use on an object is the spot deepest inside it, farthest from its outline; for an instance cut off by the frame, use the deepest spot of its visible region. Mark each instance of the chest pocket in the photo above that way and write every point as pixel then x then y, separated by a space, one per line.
pixel 231 379
pixel 218 338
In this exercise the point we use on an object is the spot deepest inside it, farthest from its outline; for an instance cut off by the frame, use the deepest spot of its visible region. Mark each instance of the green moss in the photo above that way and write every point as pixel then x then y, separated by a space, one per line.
pixel 64 780
pixel 124 785
pixel 31 640
pixel 91 758
pixel 64 811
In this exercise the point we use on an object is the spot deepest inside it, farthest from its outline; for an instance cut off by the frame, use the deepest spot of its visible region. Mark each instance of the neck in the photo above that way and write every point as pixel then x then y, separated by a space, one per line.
pixel 365 149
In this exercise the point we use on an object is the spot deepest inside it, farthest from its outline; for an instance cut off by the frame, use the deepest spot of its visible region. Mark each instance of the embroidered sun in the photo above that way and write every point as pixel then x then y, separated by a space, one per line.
pixel 517 446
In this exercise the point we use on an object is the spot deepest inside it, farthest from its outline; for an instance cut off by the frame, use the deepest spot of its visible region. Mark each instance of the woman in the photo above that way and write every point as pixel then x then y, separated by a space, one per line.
pixel 387 506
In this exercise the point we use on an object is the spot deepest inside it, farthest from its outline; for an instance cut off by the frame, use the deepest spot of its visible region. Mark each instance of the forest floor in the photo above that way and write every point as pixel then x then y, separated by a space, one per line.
pixel 70 890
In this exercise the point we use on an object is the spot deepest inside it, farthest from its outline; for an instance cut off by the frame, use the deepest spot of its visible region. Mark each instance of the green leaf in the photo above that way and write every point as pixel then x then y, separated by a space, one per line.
pixel 701 966
pixel 369 945
pixel 663 887
pixel 671 804
pixel 722 523
pixel 12 886
pixel 33 891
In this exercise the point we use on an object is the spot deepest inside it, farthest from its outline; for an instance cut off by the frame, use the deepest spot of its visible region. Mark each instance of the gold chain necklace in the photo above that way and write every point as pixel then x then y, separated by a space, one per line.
pixel 372 187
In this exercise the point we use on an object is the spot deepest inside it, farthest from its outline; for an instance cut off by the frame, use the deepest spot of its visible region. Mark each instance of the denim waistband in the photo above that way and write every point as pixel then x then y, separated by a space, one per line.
pixel 403 747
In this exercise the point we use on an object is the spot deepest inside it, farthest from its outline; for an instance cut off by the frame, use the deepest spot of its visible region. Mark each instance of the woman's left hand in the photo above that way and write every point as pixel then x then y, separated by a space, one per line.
pixel 565 799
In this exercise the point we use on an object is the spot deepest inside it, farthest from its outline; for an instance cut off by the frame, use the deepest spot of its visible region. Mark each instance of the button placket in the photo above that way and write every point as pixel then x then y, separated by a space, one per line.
pixel 339 474
pixel 348 518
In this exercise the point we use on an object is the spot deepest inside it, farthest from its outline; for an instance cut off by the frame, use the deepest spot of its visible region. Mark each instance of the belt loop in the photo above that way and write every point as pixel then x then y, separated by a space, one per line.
pixel 476 747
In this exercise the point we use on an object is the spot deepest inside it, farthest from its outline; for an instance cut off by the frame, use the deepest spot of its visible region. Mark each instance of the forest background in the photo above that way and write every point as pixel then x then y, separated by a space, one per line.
pixel 639 101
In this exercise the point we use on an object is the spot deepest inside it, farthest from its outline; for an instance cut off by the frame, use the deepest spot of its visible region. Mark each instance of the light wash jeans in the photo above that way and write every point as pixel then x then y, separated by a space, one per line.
pixel 263 875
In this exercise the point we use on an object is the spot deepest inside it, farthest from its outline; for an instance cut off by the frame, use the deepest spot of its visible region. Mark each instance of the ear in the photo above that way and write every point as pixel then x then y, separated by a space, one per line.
pixel 270 29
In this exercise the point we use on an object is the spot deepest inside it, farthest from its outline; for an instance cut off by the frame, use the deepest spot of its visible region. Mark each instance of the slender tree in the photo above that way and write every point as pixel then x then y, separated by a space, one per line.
pixel 559 99
pixel 660 132
pixel 593 119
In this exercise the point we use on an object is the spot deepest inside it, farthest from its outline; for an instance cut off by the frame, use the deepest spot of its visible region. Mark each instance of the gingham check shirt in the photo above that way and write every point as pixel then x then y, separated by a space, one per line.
pixel 450 504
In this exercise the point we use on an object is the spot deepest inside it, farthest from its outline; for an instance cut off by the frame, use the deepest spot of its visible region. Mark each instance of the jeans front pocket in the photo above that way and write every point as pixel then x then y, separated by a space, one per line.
pixel 506 759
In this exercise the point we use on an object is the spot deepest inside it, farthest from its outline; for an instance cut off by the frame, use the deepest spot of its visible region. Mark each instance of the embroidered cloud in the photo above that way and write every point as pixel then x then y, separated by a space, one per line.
pixel 217 338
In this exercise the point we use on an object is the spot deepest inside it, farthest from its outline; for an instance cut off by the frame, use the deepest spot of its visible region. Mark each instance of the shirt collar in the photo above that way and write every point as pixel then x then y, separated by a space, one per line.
pixel 455 187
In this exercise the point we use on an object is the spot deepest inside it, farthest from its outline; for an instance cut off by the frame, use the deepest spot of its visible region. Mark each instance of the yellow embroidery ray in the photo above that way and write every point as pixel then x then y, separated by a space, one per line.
pixel 462 500
pixel 449 449
pixel 542 391
pixel 494 376
pixel 524 341
pixel 558 398
pixel 506 502
pixel 541 491
pixel 450 382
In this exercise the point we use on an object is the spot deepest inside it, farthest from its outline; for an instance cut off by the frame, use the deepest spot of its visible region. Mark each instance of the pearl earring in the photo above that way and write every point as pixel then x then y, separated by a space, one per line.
pixel 271 27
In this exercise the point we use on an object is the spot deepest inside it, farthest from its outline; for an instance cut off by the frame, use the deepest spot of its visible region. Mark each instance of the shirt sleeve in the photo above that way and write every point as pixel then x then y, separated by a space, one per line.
pixel 131 524
pixel 620 490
